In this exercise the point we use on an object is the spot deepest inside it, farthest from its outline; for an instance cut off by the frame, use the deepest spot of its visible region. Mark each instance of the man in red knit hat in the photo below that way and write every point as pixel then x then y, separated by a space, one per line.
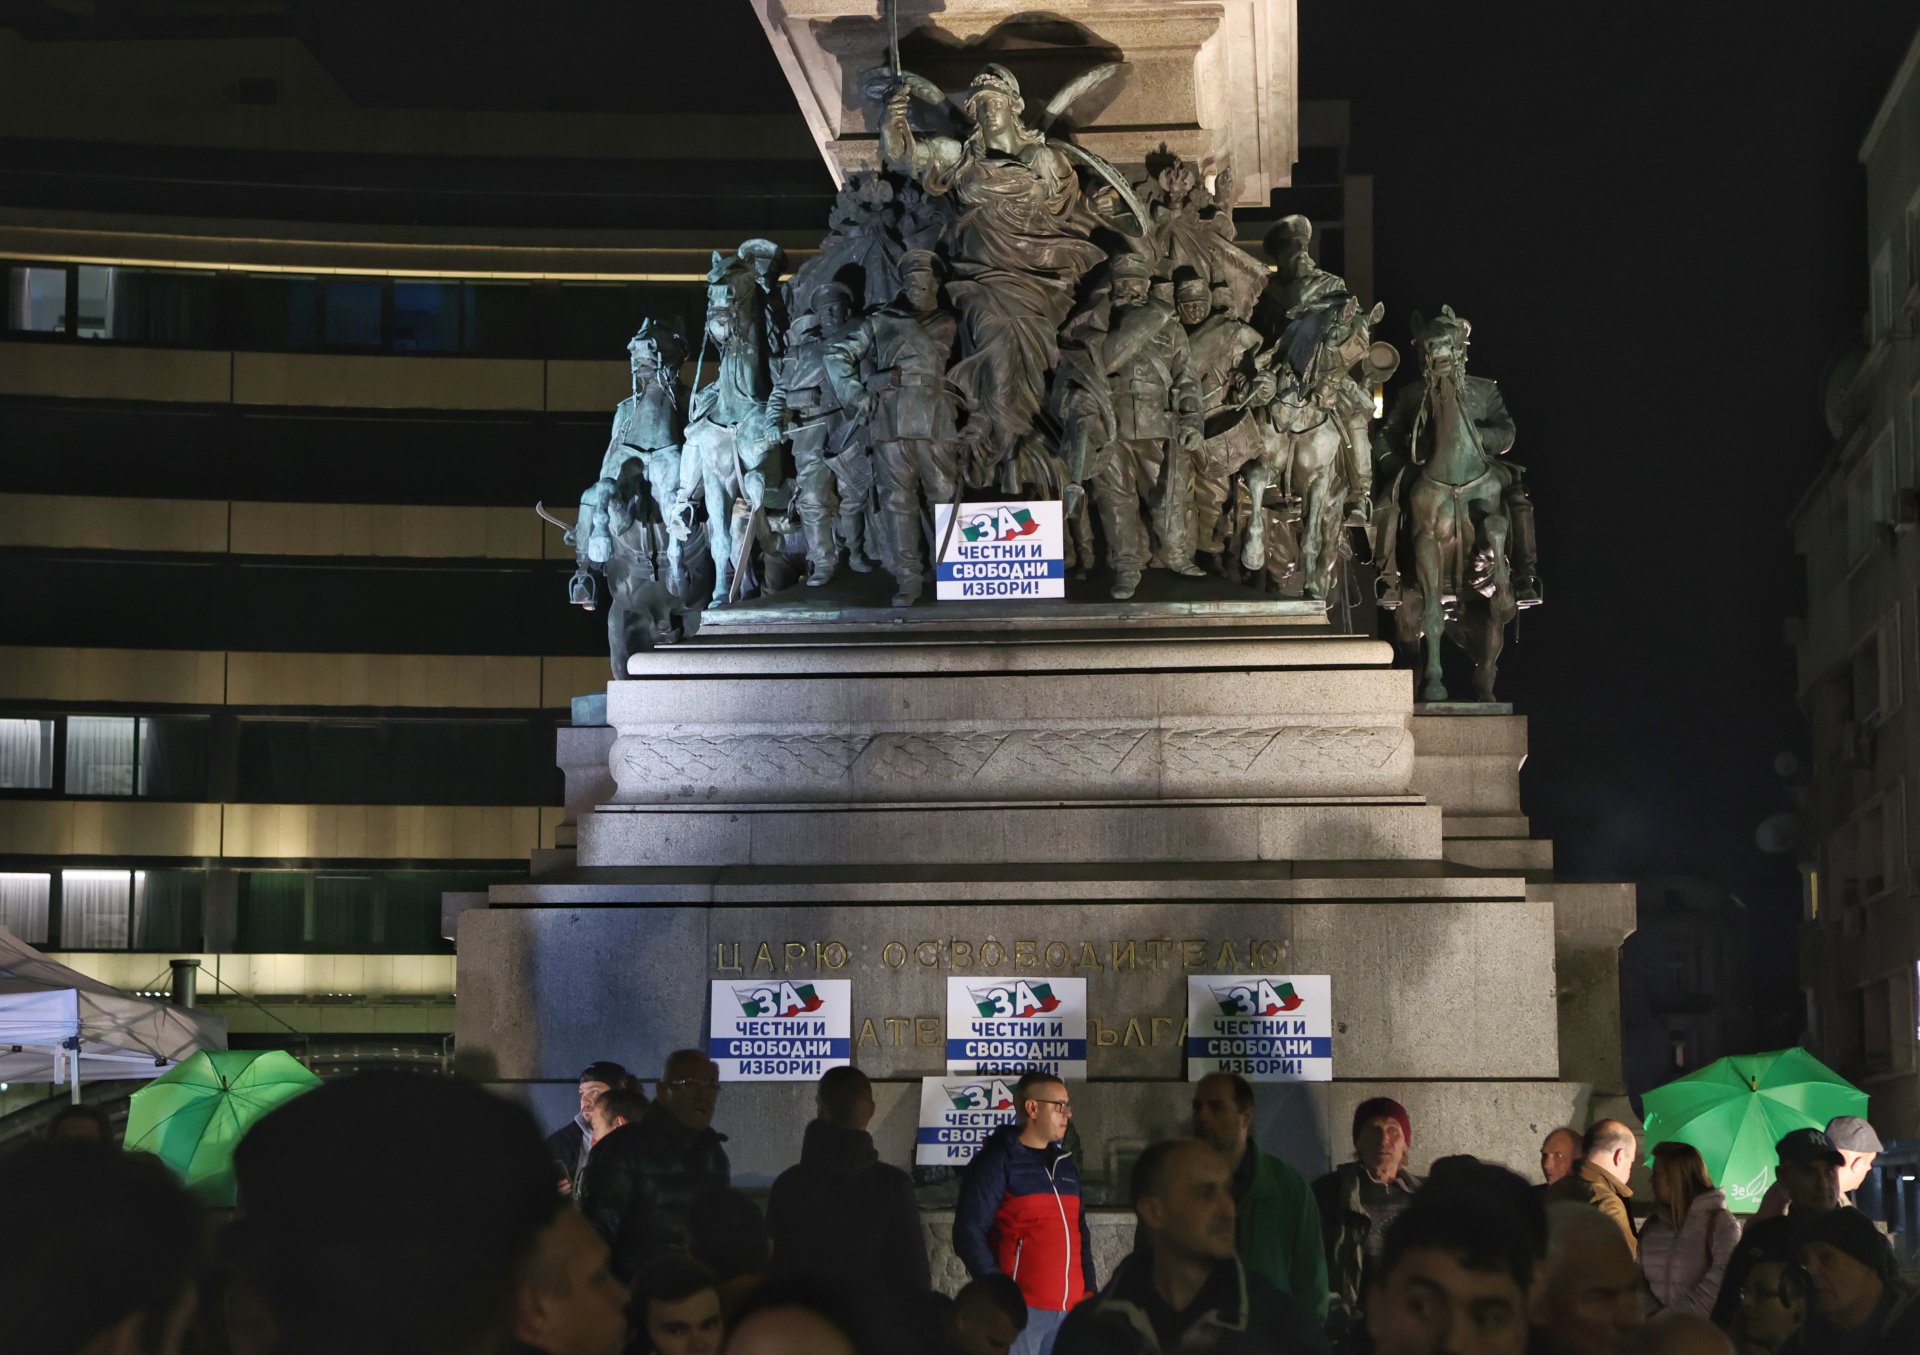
pixel 1359 1199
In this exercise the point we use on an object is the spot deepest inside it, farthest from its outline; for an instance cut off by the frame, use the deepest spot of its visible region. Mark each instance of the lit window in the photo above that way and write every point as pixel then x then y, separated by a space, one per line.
pixel 96 907
pixel 100 754
pixel 26 754
pixel 23 905
pixel 37 300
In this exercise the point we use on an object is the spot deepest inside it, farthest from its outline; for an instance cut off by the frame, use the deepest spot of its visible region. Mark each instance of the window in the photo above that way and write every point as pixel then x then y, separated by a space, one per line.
pixel 37 300
pixel 1874 674
pixel 166 909
pixel 1880 314
pixel 26 754
pixel 1677 1045
pixel 159 757
pixel 96 909
pixel 389 762
pixel 279 312
pixel 23 904
pixel 170 306
pixel 1869 496
pixel 351 311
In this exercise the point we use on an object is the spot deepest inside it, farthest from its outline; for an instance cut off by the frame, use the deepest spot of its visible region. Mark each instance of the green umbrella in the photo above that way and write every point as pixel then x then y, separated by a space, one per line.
pixel 1735 1109
pixel 191 1116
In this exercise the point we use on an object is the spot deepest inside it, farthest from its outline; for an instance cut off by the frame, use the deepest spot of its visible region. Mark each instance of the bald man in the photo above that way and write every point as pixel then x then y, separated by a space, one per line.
pixel 1600 1179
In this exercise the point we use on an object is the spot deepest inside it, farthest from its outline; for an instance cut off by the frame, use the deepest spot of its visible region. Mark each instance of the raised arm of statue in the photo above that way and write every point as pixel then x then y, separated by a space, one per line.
pixel 929 159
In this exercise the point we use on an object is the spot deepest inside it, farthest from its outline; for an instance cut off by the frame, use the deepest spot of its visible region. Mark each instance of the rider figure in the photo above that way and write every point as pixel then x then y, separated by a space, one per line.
pixel 808 411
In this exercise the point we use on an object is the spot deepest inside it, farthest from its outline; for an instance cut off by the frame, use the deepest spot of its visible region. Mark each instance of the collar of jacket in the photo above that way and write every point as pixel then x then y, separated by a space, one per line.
pixel 1126 1293
pixel 1596 1175
pixel 1009 1135
pixel 1353 1174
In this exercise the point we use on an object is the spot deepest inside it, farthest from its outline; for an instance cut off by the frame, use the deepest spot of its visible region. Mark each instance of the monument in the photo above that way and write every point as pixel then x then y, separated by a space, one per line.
pixel 1160 809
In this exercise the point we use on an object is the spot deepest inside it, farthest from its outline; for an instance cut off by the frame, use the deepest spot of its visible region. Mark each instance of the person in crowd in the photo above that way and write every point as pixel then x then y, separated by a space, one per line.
pixel 676 1308
pixel 1278 1235
pixel 1186 1286
pixel 1859 1304
pixel 1358 1202
pixel 98 1252
pixel 1458 1267
pixel 1858 1146
pixel 355 1249
pixel 567 1301
pixel 612 1109
pixel 1772 1302
pixel 1809 1179
pixel 1600 1177
pixel 985 1318
pixel 641 1178
pixel 83 1121
pixel 570 1142
pixel 843 1213
pixel 1685 1246
pixel 810 1316
pixel 1558 1152
pixel 1682 1334
pixel 1589 1302
pixel 727 1235
pixel 1019 1211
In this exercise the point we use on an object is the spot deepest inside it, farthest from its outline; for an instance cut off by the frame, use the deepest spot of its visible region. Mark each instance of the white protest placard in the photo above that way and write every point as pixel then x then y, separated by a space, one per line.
pixel 1013 549
pixel 780 1030
pixel 1267 1028
pixel 956 1115
pixel 1016 1026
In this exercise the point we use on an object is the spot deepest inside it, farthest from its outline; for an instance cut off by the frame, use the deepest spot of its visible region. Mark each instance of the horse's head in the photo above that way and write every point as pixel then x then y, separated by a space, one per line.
pixel 1442 341
pixel 731 286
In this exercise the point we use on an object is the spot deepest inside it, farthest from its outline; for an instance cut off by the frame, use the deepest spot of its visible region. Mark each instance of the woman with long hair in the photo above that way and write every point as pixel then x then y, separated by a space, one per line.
pixel 1685 1245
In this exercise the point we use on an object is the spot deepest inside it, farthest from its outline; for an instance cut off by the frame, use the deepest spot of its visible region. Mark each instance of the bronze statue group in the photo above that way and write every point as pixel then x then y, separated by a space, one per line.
pixel 1000 313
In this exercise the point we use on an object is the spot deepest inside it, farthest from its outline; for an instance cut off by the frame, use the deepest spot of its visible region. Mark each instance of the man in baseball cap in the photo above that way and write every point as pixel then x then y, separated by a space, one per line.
pixel 1809 1173
pixel 1858 1146
pixel 1858 1301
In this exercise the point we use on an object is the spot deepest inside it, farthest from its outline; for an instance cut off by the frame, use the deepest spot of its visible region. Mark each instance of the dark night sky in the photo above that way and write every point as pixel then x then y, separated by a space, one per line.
pixel 1655 219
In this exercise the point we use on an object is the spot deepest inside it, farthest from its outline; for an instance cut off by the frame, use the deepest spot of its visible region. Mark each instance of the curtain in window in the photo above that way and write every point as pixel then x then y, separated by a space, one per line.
pixel 273 910
pixel 23 905
pixel 95 906
pixel 342 912
pixel 173 757
pixel 100 754
pixel 166 909
pixel 26 754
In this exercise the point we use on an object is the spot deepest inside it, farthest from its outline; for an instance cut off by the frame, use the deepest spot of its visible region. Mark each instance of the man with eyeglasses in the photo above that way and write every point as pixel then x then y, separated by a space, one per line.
pixel 1019 1211
pixel 643 1177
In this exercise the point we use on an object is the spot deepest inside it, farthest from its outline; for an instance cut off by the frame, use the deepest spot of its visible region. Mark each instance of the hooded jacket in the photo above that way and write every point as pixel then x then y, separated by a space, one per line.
pixel 1019 1213
pixel 640 1181
pixel 844 1214
pixel 1237 1313
pixel 1684 1267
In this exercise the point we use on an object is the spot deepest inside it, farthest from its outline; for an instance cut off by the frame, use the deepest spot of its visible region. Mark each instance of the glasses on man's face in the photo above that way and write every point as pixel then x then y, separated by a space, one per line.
pixel 1064 1107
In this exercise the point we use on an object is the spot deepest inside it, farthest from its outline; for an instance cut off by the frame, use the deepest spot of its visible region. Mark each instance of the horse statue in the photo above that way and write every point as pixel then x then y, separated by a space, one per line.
pixel 730 450
pixel 1316 450
pixel 1453 498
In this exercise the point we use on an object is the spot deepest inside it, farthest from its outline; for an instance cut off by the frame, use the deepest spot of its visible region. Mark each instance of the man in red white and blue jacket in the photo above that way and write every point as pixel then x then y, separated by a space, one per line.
pixel 1019 1212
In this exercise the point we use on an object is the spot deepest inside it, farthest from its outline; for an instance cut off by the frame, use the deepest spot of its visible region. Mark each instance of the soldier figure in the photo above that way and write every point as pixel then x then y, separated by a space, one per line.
pixel 1234 392
pixel 907 407
pixel 807 410
pixel 646 428
pixel 1155 435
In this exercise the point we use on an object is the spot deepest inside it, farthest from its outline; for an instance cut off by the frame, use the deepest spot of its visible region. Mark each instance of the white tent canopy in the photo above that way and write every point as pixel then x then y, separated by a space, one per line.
pixel 58 1025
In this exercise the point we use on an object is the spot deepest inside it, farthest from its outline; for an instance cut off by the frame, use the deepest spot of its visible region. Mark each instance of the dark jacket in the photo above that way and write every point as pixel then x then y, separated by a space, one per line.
pixel 844 1214
pixel 1344 1228
pixel 1019 1213
pixel 641 1179
pixel 568 1147
pixel 1772 1238
pixel 1894 1329
pixel 1237 1313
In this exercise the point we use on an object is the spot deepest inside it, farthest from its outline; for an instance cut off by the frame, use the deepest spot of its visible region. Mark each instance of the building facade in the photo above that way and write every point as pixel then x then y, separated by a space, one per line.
pixel 1857 660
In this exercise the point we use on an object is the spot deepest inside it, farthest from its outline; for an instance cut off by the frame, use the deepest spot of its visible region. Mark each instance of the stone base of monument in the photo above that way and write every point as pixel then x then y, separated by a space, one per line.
pixel 1131 799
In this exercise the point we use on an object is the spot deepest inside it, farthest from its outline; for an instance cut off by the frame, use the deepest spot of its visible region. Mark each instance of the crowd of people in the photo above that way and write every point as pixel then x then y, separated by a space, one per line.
pixel 620 1234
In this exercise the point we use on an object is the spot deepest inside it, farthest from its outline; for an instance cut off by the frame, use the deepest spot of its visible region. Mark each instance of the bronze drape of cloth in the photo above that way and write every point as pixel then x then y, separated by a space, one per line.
pixel 1017 261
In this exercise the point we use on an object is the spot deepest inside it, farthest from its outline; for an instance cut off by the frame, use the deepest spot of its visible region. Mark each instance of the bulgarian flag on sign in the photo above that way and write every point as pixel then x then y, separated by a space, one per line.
pixel 807 1000
pixel 1005 525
